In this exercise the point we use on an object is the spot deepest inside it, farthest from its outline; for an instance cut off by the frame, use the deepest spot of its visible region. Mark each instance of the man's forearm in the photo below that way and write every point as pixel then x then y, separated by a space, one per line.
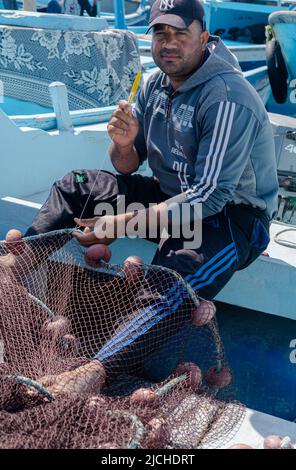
pixel 125 160
pixel 138 223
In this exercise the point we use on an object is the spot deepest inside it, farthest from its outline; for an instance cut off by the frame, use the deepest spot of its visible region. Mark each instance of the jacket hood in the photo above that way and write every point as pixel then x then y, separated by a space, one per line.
pixel 220 61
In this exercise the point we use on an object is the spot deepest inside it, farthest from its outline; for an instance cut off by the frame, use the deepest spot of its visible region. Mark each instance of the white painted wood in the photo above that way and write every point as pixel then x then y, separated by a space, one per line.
pixel 256 426
pixel 7 125
pixel 29 5
pixel 22 202
pixel 82 117
pixel 267 284
pixel 59 98
pixel 48 156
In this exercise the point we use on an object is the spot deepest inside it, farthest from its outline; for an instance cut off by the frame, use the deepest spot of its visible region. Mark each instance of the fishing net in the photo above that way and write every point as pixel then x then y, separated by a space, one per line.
pixel 112 356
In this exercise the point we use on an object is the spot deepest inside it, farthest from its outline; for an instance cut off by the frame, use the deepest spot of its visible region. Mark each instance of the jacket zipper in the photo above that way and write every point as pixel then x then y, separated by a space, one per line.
pixel 167 115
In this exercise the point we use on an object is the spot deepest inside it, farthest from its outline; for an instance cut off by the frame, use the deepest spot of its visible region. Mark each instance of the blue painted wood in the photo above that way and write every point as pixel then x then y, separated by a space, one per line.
pixel 51 21
pixel 140 17
pixel 48 121
pixel 119 11
pixel 14 107
pixel 130 6
pixel 15 215
pixel 224 15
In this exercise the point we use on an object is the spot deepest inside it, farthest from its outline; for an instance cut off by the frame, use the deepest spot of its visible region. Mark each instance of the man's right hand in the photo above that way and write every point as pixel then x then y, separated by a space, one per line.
pixel 123 127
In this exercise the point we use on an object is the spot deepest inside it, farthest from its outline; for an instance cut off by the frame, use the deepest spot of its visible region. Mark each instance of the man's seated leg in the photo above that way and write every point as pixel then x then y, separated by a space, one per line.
pixel 79 193
pixel 158 312
pixel 229 243
pixel 146 325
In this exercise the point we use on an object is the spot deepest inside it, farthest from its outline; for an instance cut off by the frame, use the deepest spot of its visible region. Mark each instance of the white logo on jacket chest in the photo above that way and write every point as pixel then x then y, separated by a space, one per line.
pixel 178 150
pixel 166 5
pixel 183 116
pixel 158 100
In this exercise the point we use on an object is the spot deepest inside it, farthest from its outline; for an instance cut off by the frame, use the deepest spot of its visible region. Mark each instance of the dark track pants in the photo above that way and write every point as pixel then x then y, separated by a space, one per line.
pixel 231 240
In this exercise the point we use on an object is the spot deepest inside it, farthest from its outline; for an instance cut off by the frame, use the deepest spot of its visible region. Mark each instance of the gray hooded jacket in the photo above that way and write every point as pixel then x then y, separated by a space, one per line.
pixel 210 141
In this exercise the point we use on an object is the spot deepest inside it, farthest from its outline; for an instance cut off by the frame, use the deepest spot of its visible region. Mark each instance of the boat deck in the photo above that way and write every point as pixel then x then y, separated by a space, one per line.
pixel 269 276
pixel 256 426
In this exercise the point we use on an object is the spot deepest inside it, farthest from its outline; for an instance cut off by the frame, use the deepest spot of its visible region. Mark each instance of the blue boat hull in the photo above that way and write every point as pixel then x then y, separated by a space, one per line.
pixel 232 16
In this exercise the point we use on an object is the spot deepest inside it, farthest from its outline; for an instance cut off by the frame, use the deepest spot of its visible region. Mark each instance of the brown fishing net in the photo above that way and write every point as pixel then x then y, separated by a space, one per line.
pixel 101 357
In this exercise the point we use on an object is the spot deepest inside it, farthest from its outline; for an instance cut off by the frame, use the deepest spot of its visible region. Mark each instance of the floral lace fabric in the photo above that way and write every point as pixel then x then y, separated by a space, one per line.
pixel 98 68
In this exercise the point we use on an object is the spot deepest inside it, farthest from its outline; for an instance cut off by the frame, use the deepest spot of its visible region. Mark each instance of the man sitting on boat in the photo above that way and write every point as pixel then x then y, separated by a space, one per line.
pixel 208 141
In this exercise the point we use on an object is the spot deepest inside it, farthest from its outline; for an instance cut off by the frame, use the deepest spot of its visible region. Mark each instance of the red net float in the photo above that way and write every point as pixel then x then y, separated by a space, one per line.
pixel 218 378
pixel 133 269
pixel 97 253
pixel 203 314
pixel 144 396
pixel 194 374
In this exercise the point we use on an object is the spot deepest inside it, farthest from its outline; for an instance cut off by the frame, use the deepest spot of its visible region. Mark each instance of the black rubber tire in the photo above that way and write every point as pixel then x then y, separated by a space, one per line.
pixel 277 71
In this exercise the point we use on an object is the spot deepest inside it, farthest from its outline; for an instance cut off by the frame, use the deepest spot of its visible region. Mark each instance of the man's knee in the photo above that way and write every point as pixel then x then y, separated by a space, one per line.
pixel 183 261
pixel 204 276
pixel 68 180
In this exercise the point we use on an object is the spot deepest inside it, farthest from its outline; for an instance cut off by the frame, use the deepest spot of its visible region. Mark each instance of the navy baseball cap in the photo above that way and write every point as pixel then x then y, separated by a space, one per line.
pixel 177 13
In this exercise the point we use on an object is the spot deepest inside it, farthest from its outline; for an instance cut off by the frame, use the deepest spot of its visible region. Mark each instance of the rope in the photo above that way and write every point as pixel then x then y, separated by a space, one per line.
pixel 90 193
pixel 140 428
pixel 42 305
pixel 285 242
pixel 168 386
pixel 50 314
pixel 36 385
pixel 286 442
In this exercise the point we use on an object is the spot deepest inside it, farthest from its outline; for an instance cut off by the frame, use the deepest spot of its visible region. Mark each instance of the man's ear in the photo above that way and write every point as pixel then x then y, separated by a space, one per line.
pixel 204 37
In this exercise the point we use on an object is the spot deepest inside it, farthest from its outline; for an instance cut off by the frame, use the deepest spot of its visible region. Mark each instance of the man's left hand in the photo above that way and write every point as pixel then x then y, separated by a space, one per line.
pixel 106 229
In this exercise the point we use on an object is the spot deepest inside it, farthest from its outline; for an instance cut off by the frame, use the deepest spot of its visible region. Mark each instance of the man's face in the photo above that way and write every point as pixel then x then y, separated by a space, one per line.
pixel 178 53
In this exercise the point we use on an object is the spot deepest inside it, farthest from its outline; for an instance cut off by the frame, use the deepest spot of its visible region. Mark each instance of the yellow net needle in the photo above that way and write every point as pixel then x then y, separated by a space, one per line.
pixel 130 101
pixel 134 89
